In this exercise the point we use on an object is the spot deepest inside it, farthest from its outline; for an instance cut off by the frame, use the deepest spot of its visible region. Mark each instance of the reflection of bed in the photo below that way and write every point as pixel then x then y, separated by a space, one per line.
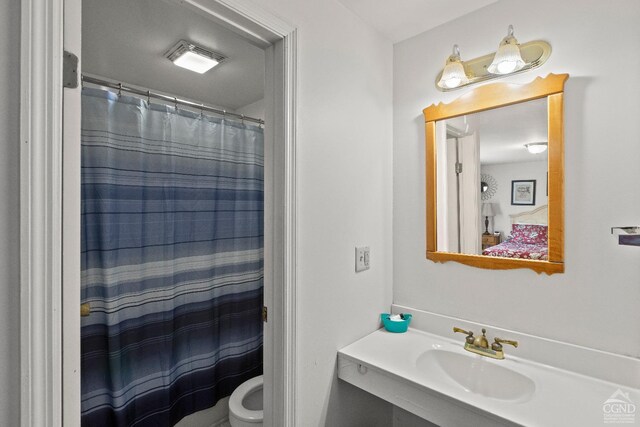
pixel 528 239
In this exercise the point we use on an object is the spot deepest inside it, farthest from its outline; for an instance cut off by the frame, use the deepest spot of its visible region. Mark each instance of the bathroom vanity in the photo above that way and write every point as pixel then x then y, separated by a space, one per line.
pixel 427 372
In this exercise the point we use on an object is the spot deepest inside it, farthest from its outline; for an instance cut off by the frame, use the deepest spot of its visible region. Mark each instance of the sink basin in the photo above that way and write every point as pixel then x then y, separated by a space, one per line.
pixel 477 374
pixel 434 378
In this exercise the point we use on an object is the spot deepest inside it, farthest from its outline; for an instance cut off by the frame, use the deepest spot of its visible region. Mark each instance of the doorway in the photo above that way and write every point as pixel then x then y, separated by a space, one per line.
pixel 172 215
pixel 53 364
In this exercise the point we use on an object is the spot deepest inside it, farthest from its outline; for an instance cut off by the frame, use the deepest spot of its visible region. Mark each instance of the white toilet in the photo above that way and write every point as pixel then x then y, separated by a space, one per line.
pixel 245 404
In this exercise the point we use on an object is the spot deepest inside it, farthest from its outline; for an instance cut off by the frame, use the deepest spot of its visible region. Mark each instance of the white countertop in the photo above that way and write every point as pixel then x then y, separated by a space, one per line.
pixel 560 397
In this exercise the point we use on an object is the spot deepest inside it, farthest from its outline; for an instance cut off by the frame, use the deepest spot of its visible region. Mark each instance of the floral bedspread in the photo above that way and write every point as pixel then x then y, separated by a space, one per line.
pixel 515 249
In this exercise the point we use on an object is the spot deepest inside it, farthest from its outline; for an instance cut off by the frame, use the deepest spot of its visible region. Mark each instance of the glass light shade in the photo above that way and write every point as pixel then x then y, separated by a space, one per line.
pixel 508 58
pixel 536 147
pixel 194 62
pixel 453 74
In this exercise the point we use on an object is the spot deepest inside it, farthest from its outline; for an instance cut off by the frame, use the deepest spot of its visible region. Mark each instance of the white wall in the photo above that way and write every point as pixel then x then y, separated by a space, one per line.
pixel 345 199
pixel 504 173
pixel 255 109
pixel 595 302
pixel 9 213
pixel 402 418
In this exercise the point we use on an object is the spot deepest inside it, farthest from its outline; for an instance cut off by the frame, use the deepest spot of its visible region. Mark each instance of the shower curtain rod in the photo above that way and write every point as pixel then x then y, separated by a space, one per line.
pixel 176 101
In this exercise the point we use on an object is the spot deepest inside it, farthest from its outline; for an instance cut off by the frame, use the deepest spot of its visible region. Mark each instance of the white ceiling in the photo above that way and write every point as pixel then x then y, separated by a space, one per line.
pixel 125 40
pixel 504 131
pixel 400 20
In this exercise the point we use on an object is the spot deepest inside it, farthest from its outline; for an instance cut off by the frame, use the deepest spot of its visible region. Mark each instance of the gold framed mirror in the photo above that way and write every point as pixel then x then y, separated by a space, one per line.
pixel 498 129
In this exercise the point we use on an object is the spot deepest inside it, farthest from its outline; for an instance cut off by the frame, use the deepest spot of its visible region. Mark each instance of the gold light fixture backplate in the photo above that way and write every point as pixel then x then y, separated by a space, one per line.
pixel 534 54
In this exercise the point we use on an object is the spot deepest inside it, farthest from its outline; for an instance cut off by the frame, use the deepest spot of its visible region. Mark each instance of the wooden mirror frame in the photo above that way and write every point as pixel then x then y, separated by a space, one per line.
pixel 488 97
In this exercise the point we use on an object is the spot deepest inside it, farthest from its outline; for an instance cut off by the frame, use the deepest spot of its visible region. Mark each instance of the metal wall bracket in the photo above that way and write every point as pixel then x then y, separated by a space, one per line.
pixel 630 229
pixel 629 235
pixel 70 70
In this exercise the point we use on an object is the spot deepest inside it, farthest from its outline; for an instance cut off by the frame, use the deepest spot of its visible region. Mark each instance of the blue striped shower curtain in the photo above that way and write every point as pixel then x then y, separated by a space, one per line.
pixel 172 260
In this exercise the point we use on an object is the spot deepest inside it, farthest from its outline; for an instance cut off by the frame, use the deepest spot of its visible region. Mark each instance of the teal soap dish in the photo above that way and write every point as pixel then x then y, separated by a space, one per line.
pixel 396 326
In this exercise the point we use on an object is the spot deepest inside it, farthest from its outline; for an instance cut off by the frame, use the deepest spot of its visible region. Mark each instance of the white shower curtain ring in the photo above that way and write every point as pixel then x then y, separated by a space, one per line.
pixel 175 103
pixel 201 110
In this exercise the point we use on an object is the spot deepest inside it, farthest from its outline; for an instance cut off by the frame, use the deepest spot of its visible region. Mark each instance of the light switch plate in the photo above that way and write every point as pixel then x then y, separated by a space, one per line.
pixel 362 258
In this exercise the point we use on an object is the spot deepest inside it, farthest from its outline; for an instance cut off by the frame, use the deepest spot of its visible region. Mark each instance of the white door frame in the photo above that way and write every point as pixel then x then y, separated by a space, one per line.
pixel 50 376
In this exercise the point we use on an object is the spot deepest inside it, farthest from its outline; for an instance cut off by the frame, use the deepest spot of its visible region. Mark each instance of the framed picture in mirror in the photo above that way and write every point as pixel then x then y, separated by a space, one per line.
pixel 523 192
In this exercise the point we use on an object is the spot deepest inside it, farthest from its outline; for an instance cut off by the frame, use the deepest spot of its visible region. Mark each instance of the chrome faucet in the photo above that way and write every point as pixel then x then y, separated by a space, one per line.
pixel 480 345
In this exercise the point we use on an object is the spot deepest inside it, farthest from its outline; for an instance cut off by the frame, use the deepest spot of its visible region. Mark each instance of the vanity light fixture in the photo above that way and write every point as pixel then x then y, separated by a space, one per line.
pixel 453 74
pixel 508 58
pixel 536 147
pixel 193 57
